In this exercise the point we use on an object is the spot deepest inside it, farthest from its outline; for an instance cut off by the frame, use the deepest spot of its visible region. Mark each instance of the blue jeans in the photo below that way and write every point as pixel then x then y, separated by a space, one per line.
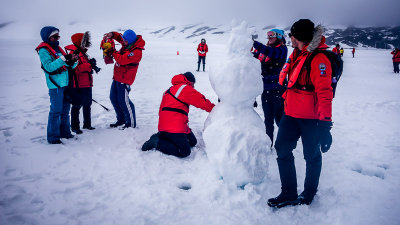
pixel 123 106
pixel 58 125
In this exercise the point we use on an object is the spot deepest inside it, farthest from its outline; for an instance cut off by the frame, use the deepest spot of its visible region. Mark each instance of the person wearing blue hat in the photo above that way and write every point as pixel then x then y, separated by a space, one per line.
pixel 127 61
pixel 272 57
pixel 54 64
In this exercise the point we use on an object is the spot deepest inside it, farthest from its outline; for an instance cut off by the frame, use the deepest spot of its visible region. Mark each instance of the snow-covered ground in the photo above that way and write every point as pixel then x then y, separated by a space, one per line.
pixel 103 177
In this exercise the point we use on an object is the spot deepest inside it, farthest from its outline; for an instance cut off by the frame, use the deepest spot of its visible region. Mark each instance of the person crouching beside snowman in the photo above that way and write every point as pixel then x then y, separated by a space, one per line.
pixel 174 136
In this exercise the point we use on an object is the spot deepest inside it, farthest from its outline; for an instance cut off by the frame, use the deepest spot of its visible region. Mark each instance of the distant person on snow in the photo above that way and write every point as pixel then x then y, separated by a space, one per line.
pixel 396 60
pixel 341 52
pixel 202 49
pixel 336 49
pixel 353 51
pixel 308 114
pixel 106 45
pixel 82 82
pixel 174 136
pixel 54 64
pixel 272 57
pixel 125 69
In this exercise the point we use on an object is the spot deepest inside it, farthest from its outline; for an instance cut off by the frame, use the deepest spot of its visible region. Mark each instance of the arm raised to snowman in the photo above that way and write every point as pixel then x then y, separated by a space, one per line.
pixel 192 97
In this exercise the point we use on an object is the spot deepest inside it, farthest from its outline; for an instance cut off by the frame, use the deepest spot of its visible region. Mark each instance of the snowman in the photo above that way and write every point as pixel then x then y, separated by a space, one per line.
pixel 234 134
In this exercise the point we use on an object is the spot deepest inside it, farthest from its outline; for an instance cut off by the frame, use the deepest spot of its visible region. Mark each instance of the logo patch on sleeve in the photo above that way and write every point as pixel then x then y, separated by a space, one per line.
pixel 130 54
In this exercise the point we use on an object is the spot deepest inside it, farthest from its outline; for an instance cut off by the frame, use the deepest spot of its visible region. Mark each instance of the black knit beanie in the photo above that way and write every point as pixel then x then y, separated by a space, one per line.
pixel 190 77
pixel 303 30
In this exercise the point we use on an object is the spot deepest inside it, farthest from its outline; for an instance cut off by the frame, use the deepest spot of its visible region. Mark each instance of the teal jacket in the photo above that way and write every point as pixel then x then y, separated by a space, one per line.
pixel 50 64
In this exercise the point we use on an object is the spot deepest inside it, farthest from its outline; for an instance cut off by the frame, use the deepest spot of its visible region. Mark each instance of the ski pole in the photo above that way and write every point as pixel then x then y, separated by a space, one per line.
pixel 101 105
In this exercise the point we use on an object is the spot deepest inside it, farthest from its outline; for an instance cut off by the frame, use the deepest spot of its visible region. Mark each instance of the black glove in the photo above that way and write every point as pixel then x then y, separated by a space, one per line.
pixel 325 137
pixel 68 60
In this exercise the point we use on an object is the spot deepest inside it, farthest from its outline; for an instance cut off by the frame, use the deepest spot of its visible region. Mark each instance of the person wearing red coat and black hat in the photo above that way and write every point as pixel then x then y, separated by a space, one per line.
pixel 202 49
pixel 308 113
pixel 174 136
pixel 125 69
pixel 82 82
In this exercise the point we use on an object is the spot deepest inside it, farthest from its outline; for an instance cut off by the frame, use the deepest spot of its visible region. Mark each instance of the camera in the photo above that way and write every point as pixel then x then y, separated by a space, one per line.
pixel 93 63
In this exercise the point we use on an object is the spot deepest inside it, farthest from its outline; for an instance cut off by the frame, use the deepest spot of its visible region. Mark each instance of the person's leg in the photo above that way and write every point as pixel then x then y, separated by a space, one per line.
pixel 75 124
pixel 267 106
pixel 312 155
pixel 126 105
pixel 54 119
pixel 192 139
pixel 396 67
pixel 87 103
pixel 115 103
pixel 176 144
pixel 204 63
pixel 278 106
pixel 151 143
pixel 65 126
pixel 198 63
pixel 288 135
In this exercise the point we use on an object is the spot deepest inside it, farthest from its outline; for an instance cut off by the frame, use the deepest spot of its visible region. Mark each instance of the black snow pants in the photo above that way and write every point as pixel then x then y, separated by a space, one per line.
pixel 272 104
pixel 177 144
pixel 290 130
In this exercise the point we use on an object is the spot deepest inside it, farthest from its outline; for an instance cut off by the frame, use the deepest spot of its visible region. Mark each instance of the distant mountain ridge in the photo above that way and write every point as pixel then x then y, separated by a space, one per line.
pixel 368 37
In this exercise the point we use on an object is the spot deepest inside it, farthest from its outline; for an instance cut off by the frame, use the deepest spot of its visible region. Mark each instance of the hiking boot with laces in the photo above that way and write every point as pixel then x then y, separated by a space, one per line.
pixel 282 200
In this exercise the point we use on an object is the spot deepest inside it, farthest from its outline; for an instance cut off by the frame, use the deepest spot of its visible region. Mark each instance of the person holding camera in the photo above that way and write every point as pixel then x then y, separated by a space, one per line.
pixel 54 64
pixel 125 69
pixel 82 81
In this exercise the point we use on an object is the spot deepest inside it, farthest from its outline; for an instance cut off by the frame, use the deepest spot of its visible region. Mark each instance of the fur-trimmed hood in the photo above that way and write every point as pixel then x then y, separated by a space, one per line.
pixel 318 40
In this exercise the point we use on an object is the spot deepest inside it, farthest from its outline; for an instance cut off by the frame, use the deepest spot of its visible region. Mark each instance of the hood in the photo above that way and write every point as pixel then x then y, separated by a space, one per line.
pixel 139 42
pixel 318 40
pixel 180 79
pixel 46 31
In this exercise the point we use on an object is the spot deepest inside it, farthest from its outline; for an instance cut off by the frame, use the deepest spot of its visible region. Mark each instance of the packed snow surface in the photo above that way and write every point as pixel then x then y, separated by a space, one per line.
pixel 103 177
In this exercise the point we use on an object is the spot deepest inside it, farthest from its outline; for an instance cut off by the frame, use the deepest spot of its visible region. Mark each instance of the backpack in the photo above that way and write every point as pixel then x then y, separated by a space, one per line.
pixel 336 64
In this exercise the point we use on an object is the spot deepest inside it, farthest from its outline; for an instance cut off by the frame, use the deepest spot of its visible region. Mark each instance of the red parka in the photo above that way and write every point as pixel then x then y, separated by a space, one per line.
pixel 336 50
pixel 127 60
pixel 308 97
pixel 202 49
pixel 174 108
pixel 396 56
pixel 83 70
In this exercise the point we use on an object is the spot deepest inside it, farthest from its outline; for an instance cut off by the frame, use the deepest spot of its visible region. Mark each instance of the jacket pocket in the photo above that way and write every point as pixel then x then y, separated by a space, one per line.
pixel 301 104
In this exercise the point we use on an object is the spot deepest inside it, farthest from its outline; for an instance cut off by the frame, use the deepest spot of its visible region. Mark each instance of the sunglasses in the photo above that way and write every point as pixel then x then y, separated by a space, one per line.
pixel 56 37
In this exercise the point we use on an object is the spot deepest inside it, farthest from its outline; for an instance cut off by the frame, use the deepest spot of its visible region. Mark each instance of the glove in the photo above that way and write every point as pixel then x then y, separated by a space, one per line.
pixel 68 57
pixel 261 57
pixel 325 137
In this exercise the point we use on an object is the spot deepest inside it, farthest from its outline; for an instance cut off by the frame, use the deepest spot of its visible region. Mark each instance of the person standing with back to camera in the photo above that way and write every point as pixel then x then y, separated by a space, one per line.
pixel 202 49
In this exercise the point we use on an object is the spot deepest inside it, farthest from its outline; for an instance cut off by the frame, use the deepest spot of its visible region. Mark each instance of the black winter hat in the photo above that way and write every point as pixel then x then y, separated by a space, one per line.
pixel 190 77
pixel 303 30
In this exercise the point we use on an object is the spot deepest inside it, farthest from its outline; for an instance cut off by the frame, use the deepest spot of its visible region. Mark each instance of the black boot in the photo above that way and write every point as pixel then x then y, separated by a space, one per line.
pixel 77 130
pixel 305 198
pixel 204 67
pixel 198 67
pixel 117 124
pixel 282 200
pixel 151 143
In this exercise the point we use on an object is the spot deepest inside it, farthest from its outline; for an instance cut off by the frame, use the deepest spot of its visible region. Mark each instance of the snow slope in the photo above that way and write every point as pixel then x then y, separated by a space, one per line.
pixel 102 177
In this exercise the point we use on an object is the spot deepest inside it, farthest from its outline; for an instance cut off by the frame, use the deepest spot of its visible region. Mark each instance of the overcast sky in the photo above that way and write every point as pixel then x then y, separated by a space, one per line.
pixel 180 12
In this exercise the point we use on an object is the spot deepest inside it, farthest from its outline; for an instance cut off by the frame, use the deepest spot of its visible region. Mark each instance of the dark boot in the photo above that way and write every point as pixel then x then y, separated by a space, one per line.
pixel 204 67
pixel 305 198
pixel 282 200
pixel 87 120
pixel 117 124
pixel 75 124
pixel 151 143
pixel 198 67
pixel 77 130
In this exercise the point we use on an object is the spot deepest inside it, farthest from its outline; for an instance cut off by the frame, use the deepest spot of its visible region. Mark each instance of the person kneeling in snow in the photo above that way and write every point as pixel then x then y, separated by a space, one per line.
pixel 174 136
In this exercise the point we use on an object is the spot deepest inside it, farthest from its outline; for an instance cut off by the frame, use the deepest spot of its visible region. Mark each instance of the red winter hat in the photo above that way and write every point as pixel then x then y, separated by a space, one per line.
pixel 81 39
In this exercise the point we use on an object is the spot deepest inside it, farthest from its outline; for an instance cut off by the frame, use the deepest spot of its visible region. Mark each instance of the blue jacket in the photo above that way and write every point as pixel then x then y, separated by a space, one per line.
pixel 270 68
pixel 50 64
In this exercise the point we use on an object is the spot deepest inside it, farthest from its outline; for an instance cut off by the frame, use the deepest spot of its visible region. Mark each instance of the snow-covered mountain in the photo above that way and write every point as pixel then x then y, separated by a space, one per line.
pixel 369 37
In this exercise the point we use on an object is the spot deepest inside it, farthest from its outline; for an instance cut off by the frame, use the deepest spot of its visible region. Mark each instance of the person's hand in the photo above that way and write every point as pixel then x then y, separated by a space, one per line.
pixel 261 57
pixel 325 137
